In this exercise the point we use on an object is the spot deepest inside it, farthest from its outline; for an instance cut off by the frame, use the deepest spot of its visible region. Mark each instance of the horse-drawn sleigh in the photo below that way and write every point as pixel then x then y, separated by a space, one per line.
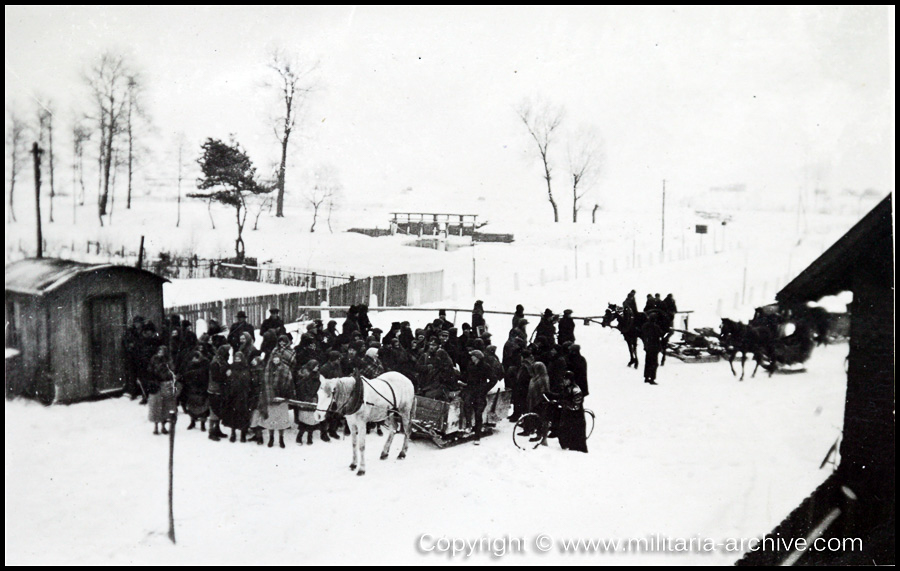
pixel 444 423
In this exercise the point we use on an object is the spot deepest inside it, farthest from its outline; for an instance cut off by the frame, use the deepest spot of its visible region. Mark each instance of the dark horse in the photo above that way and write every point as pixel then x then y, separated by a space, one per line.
pixel 630 325
pixel 758 339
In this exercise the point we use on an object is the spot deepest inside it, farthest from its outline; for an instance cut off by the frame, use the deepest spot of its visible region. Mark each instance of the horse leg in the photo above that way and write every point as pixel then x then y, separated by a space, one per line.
pixel 362 451
pixel 743 360
pixel 407 428
pixel 731 357
pixel 353 441
pixel 392 429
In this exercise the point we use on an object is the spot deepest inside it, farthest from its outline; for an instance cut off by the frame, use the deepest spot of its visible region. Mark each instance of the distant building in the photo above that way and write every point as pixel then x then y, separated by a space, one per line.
pixel 67 319
pixel 858 500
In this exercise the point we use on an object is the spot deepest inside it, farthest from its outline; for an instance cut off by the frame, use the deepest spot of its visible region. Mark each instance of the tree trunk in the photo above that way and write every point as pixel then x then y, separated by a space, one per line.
pixel 50 162
pixel 549 189
pixel 12 181
pixel 315 214
pixel 279 206
pixel 107 164
pixel 131 157
pixel 239 243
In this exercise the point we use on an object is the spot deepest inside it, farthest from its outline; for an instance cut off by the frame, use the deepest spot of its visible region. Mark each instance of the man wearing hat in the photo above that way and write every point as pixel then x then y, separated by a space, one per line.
pixel 274 321
pixel 546 327
pixel 442 317
pixel 478 325
pixel 237 328
pixel 630 304
pixel 566 328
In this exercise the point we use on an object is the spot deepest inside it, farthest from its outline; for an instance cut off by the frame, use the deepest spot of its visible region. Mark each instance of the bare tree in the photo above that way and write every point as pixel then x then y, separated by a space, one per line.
pixel 45 140
pixel 294 85
pixel 81 134
pixel 135 110
pixel 15 140
pixel 324 191
pixel 332 204
pixel 594 213
pixel 542 121
pixel 585 160
pixel 260 203
pixel 108 80
pixel 181 143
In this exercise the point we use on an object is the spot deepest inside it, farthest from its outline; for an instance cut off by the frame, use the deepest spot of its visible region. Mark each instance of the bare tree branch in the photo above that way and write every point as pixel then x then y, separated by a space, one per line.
pixel 542 121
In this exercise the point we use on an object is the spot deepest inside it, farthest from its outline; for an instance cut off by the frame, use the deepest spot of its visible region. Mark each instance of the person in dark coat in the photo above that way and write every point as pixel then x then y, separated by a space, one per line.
pixel 330 335
pixel 147 348
pixel 437 376
pixel 572 430
pixel 651 335
pixel 519 380
pixel 630 304
pixel 131 342
pixel 219 373
pixel 546 327
pixel 362 318
pixel 238 406
pixel 578 366
pixel 478 318
pixel 308 382
pixel 566 328
pixel 332 369
pixel 650 304
pixel 269 343
pixel 442 321
pixel 519 314
pixel 670 309
pixel 476 386
pixel 195 395
pixel 237 328
pixel 274 321
pixel 371 364
pixel 406 335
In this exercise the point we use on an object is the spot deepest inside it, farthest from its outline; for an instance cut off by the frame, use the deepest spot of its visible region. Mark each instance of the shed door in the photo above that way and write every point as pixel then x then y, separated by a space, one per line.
pixel 108 321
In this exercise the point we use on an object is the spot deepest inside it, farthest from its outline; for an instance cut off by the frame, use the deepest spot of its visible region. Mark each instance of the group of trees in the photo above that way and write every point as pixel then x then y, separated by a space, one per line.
pixel 585 156
pixel 113 119
pixel 110 127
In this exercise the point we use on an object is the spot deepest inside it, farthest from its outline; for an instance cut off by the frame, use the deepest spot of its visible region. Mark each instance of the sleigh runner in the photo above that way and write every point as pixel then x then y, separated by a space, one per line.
pixel 443 422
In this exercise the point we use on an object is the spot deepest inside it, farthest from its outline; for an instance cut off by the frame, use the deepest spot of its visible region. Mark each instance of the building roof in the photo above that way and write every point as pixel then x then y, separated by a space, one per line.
pixel 831 272
pixel 37 276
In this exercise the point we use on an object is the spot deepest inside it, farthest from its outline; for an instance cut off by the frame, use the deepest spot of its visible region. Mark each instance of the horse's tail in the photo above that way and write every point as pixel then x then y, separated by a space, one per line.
pixel 407 424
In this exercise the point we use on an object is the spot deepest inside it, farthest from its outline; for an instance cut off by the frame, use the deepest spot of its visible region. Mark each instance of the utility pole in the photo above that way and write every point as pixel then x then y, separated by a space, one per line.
pixel 662 246
pixel 36 152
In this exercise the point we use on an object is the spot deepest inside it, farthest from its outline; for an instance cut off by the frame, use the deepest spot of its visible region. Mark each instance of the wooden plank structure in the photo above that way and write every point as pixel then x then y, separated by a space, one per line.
pixel 862 490
pixel 442 421
pixel 68 320
pixel 433 223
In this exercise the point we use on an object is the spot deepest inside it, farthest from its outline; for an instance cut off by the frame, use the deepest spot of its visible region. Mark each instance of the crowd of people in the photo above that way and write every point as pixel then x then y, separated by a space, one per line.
pixel 231 379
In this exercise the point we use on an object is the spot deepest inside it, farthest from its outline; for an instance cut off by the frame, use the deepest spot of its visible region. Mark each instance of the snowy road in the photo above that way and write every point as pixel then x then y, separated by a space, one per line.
pixel 699 456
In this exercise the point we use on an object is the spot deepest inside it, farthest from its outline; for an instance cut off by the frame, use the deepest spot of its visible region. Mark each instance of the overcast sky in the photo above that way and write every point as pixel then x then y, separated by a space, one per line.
pixel 777 98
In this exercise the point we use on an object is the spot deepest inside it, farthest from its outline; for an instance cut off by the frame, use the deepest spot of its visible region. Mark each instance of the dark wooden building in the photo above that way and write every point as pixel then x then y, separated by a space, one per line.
pixel 858 500
pixel 67 320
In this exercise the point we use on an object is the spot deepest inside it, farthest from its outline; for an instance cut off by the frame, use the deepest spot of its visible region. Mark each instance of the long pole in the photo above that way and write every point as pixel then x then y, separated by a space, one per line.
pixel 173 416
pixel 662 247
pixel 36 152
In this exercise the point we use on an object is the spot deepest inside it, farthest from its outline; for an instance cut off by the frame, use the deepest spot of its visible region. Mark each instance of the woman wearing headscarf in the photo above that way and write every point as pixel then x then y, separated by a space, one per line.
pixel 163 399
pixel 307 386
pixel 237 410
pixel 538 392
pixel 195 398
pixel 572 428
pixel 277 384
pixel 219 373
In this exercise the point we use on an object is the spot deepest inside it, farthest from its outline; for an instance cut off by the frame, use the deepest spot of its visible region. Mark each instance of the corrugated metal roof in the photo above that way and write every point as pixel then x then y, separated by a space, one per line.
pixel 37 276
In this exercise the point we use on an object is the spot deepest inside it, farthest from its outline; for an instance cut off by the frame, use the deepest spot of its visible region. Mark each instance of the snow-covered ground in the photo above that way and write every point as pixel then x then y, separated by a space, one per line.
pixel 699 456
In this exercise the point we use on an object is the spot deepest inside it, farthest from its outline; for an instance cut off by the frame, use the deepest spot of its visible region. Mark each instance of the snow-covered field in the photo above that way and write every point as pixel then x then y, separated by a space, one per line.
pixel 699 456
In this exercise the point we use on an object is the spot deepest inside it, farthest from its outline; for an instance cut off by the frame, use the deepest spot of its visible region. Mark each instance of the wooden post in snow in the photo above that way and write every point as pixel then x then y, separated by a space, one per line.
pixel 36 152
pixel 140 262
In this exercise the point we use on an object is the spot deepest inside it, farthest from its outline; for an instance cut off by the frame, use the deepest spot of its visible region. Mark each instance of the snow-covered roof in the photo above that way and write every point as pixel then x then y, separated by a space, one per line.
pixel 37 276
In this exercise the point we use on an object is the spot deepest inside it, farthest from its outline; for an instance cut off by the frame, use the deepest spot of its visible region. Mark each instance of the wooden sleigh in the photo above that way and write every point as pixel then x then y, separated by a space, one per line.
pixel 442 422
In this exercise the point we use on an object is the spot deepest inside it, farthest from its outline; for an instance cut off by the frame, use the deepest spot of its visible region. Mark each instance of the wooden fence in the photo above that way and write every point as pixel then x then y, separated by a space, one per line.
pixel 390 291
pixel 256 308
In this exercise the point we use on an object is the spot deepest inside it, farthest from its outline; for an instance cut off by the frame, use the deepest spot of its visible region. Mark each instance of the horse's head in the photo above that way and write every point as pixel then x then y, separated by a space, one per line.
pixel 610 315
pixel 324 398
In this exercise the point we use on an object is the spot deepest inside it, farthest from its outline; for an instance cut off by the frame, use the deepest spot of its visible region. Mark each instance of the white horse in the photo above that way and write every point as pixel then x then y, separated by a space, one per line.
pixel 385 397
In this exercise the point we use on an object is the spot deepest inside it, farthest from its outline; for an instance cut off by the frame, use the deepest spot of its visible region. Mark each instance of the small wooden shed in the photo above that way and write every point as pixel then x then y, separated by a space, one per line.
pixel 858 500
pixel 67 320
